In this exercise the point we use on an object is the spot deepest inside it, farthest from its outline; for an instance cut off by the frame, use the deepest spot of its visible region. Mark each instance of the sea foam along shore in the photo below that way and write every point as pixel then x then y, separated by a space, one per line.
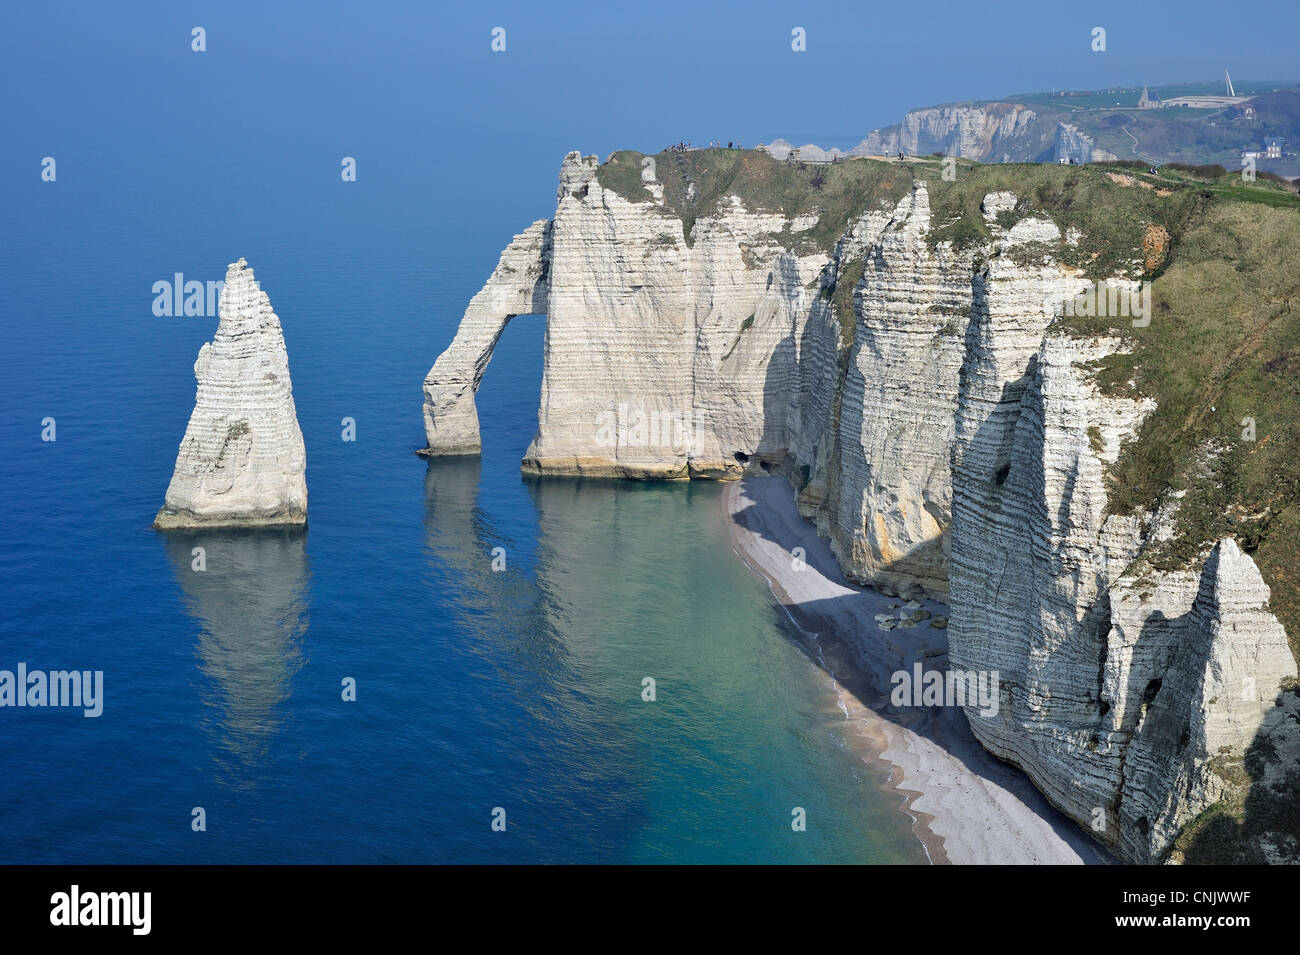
pixel 967 807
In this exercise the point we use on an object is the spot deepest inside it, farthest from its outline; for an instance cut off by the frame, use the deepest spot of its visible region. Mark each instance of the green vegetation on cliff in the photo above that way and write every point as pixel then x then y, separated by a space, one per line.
pixel 1110 209
pixel 622 173
pixel 1222 352
pixel 1221 358
pixel 842 298
pixel 695 181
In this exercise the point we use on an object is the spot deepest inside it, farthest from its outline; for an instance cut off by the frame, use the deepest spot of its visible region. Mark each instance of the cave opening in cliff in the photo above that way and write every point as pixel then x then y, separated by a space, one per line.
pixel 1149 694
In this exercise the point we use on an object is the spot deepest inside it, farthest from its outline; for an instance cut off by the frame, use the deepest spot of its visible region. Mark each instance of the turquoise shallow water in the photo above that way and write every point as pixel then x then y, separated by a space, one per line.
pixel 475 689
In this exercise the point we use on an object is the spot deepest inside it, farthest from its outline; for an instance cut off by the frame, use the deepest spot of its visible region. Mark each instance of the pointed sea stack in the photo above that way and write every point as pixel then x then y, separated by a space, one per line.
pixel 242 461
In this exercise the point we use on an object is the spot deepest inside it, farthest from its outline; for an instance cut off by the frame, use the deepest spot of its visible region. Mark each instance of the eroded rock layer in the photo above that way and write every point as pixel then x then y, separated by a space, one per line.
pixel 242 461
pixel 942 427
pixel 518 286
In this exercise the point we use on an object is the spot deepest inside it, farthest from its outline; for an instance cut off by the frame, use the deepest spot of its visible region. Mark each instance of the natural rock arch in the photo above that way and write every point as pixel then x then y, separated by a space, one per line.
pixel 519 285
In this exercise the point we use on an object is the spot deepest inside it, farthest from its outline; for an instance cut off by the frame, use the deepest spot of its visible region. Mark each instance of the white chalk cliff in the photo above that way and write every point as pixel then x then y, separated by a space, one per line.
pixel 517 286
pixel 943 433
pixel 991 131
pixel 242 461
pixel 988 132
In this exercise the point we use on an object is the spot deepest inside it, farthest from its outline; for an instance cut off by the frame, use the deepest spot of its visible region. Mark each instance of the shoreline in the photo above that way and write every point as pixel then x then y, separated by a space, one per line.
pixel 966 806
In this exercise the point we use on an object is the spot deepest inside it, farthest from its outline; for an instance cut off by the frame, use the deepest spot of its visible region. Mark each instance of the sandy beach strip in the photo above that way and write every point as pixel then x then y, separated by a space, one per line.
pixel 967 807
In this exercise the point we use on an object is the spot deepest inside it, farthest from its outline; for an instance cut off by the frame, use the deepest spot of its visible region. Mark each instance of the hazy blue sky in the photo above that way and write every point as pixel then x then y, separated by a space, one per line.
pixel 638 74
pixel 289 87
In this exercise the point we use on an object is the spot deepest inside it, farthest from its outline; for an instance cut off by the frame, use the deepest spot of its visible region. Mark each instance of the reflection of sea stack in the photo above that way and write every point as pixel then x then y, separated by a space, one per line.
pixel 241 462
pixel 249 604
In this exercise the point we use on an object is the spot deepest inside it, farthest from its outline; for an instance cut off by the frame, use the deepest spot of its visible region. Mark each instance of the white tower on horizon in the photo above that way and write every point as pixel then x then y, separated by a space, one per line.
pixel 1231 91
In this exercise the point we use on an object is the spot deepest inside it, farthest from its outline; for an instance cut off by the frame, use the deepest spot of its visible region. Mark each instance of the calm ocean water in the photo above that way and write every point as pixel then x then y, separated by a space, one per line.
pixel 475 689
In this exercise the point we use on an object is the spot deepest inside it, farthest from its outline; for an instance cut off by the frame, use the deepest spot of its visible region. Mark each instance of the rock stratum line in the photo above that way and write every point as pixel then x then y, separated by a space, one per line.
pixel 908 366
pixel 241 462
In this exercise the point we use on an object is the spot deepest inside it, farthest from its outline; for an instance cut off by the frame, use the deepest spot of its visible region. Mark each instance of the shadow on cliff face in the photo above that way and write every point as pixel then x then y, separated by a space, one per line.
pixel 782 373
pixel 1178 738
pixel 1165 756
pixel 1163 686
pixel 1268 830
pixel 249 601
pixel 866 668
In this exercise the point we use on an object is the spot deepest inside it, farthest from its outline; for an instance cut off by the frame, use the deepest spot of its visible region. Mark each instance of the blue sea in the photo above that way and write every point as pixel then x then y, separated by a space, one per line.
pixel 480 694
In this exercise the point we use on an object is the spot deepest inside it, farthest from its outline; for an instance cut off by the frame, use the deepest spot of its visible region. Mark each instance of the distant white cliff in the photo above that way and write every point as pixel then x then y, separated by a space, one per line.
pixel 987 132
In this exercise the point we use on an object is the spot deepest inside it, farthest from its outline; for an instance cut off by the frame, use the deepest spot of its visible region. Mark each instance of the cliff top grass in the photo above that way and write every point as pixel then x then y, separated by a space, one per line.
pixel 1222 352
pixel 1109 204
pixel 1221 357
pixel 1110 209
pixel 838 193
